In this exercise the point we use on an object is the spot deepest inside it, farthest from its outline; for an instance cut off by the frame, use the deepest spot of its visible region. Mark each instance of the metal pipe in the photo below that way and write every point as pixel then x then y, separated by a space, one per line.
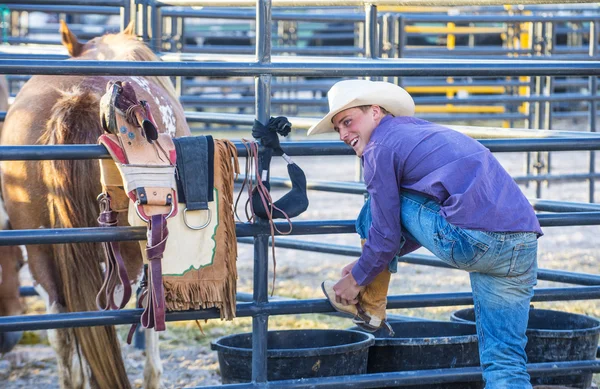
pixel 323 50
pixel 83 9
pixel 419 101
pixel 208 13
pixel 156 22
pixel 305 148
pixel 335 67
pixel 555 178
pixel 371 35
pixel 472 131
pixel 593 106
pixel 260 322
pixel 416 377
pixel 421 259
pixel 99 234
pixel 131 316
pixel 360 189
pixel 355 3
pixel 98 3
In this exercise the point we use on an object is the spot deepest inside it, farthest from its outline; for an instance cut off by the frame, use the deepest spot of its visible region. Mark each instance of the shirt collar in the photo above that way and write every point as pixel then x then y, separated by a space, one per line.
pixel 378 132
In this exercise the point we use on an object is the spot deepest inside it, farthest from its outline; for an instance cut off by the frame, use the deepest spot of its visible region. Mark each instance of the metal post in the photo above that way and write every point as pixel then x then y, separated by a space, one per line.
pixel 179 45
pixel 371 51
pixel 125 14
pixel 401 41
pixel 593 84
pixel 260 323
pixel 155 26
pixel 371 45
pixel 539 88
pixel 549 38
pixel 133 14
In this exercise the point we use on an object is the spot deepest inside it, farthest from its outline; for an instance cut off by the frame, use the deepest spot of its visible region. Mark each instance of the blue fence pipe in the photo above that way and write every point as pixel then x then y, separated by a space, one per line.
pixel 285 307
pixel 98 3
pixel 83 9
pixel 203 101
pixel 114 234
pixel 359 188
pixel 355 67
pixel 313 148
pixel 415 377
pixel 421 259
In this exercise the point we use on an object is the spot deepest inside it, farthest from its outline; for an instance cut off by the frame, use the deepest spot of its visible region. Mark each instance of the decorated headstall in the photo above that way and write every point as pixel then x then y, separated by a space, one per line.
pixel 144 166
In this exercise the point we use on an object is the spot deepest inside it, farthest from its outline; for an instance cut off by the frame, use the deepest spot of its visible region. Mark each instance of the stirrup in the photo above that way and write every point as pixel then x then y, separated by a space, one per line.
pixel 356 312
pixel 370 328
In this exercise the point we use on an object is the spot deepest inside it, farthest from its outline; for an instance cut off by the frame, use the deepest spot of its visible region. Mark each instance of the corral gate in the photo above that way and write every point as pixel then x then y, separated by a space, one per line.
pixel 263 68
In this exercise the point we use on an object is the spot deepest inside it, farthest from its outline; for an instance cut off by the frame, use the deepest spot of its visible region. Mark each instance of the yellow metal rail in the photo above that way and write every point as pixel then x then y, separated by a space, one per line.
pixel 449 108
pixel 456 89
pixel 454 30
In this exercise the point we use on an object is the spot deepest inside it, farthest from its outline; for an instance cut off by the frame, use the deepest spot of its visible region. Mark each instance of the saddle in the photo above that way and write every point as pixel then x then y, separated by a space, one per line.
pixel 145 179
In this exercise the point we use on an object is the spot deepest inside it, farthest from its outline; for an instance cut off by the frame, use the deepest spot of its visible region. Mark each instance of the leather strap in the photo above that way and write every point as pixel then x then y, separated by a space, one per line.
pixel 252 162
pixel 154 312
pixel 116 285
pixel 193 171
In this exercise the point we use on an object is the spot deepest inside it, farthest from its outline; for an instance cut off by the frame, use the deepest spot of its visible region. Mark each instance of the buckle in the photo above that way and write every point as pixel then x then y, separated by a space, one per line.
pixel 196 227
pixel 137 210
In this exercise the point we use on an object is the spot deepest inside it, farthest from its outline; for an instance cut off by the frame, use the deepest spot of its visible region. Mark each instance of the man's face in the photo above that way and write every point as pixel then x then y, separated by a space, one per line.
pixel 355 126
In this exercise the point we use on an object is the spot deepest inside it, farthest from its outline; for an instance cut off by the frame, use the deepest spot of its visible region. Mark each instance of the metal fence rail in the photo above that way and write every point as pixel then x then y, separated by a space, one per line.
pixel 263 67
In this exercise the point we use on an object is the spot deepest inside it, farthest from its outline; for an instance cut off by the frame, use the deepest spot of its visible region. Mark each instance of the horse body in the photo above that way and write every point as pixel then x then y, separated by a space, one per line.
pixel 11 260
pixel 62 194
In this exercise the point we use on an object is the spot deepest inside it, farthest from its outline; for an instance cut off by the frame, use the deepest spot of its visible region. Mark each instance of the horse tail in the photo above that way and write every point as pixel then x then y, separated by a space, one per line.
pixel 73 187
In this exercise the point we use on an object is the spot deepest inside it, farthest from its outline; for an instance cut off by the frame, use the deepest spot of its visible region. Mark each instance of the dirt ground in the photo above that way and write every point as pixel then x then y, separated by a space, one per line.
pixel 187 358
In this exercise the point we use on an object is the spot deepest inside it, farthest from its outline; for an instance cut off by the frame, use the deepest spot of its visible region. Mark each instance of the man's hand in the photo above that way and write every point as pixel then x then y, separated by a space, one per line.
pixel 346 290
pixel 348 268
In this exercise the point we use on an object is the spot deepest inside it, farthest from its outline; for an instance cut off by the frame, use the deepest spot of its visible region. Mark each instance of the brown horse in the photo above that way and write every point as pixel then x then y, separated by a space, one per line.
pixel 11 261
pixel 62 194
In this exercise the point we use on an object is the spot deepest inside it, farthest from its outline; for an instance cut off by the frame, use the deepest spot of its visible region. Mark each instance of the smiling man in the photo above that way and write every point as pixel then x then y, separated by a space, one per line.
pixel 434 187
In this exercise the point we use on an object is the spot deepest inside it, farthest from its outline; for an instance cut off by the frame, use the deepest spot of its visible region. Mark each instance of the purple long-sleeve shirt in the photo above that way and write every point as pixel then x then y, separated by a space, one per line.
pixel 474 190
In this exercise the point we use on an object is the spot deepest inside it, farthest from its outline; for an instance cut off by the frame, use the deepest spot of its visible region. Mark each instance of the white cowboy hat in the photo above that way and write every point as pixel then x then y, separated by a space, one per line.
pixel 353 93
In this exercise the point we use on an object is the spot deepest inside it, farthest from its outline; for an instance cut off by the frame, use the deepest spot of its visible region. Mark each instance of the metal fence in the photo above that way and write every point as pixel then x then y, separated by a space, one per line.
pixel 263 68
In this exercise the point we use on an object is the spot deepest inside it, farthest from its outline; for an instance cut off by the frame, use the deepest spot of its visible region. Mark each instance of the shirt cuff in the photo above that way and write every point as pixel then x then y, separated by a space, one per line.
pixel 362 276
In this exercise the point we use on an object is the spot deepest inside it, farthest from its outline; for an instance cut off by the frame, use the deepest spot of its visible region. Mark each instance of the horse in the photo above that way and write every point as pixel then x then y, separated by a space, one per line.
pixel 11 260
pixel 57 110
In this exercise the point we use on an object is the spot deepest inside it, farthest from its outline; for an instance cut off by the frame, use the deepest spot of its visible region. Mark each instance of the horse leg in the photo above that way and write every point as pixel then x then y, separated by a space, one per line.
pixel 153 368
pixel 11 261
pixel 70 365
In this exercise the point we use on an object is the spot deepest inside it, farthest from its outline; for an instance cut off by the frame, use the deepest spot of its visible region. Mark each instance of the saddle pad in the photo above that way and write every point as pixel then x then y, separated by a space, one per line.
pixel 186 249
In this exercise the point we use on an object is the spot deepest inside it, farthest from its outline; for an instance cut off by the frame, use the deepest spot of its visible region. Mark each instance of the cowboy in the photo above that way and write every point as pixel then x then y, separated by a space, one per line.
pixel 434 187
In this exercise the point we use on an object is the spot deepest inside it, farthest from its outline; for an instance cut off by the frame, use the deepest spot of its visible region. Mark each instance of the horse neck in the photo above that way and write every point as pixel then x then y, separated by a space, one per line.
pixel 137 52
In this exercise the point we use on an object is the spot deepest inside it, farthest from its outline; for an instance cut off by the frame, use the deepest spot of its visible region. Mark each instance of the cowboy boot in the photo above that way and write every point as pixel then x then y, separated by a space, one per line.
pixel 370 311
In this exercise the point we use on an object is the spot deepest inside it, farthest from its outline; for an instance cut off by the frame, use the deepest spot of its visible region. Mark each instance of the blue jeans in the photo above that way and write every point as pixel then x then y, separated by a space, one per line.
pixel 503 272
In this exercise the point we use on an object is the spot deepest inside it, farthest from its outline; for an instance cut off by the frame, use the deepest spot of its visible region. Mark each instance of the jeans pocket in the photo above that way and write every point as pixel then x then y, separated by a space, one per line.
pixel 456 246
pixel 523 264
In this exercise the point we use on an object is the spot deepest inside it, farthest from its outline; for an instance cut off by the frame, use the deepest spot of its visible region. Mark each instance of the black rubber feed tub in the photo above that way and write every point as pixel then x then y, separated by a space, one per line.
pixel 425 345
pixel 295 354
pixel 555 336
